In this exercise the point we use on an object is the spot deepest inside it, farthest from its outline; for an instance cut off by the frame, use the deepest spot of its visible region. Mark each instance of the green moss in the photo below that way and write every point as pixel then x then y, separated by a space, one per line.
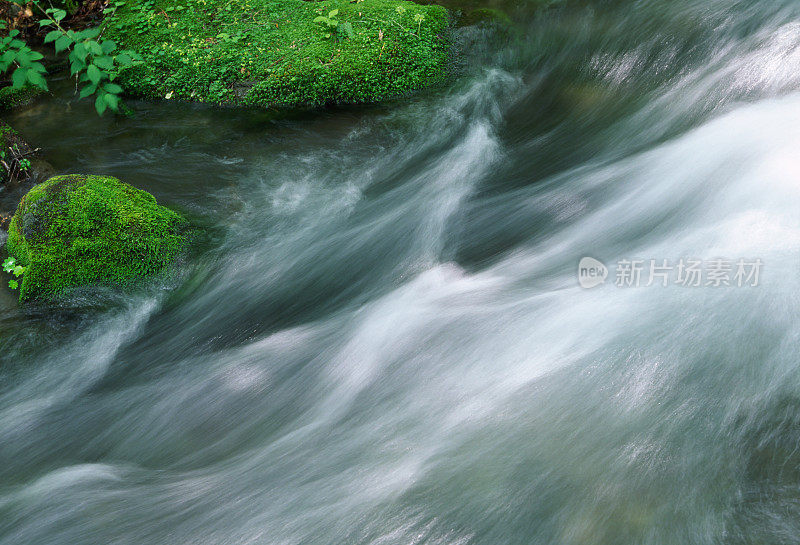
pixel 14 98
pixel 6 133
pixel 73 231
pixel 271 53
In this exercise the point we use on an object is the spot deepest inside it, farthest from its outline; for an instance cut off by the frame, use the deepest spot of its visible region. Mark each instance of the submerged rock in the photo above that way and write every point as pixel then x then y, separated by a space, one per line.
pixel 81 230
pixel 283 53
pixel 486 16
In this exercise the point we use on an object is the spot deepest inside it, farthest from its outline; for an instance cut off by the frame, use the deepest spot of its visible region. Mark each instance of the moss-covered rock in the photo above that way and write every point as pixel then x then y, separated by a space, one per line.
pixel 14 98
pixel 272 53
pixel 77 230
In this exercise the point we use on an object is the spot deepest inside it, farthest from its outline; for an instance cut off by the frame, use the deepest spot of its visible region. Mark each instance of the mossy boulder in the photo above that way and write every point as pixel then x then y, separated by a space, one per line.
pixel 77 231
pixel 11 98
pixel 272 53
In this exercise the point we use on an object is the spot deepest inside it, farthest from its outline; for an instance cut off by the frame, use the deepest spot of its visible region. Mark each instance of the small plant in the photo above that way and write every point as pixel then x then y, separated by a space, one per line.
pixel 419 18
pixel 10 266
pixel 14 164
pixel 330 24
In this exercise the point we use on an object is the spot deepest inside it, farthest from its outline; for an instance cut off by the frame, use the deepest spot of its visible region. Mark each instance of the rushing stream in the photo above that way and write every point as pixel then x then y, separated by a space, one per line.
pixel 381 337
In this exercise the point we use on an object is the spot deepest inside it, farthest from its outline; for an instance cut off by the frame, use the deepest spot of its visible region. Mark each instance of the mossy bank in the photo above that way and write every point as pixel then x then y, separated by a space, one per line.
pixel 272 53
pixel 76 231
pixel 11 98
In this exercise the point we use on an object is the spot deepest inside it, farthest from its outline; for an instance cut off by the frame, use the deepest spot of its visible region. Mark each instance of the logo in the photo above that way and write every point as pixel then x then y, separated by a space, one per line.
pixel 591 272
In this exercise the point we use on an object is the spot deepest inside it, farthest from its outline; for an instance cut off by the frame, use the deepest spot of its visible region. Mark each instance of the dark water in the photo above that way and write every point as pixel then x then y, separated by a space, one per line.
pixel 381 339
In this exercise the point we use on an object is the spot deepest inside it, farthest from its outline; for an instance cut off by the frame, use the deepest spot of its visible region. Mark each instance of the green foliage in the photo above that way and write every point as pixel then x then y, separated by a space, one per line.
pixel 330 25
pixel 10 266
pixel 94 61
pixel 21 62
pixel 277 53
pixel 80 230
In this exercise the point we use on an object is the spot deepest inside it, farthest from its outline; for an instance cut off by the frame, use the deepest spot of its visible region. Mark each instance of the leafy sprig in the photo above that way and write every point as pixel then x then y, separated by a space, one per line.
pixel 17 56
pixel 330 25
pixel 11 266
pixel 94 61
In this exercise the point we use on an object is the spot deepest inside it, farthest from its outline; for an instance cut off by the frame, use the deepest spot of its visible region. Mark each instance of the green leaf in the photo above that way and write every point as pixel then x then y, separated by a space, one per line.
pixel 124 59
pixel 100 105
pixel 106 63
pixel 79 52
pixel 88 90
pixel 13 284
pixel 320 19
pixel 23 58
pixel 112 101
pixel 108 46
pixel 333 13
pixel 94 47
pixel 36 79
pixel 51 36
pixel 63 43
pixel 18 271
pixel 19 78
pixel 76 66
pixel 8 264
pixel 112 88
pixel 94 74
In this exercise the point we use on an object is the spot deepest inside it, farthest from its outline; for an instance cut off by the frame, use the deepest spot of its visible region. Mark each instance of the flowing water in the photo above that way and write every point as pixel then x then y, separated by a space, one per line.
pixel 381 338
